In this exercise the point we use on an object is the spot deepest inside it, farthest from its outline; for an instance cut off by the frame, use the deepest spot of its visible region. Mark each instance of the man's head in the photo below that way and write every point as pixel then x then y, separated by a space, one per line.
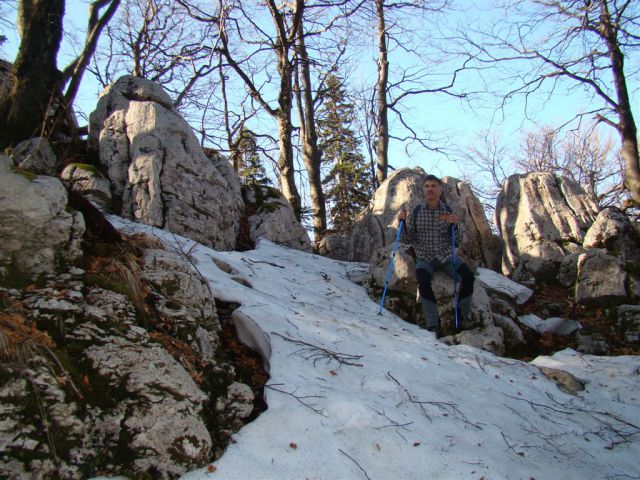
pixel 432 190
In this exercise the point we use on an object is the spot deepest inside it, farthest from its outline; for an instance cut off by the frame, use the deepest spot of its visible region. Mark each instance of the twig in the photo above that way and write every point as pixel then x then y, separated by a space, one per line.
pixel 354 461
pixel 300 398
pixel 310 351
pixel 446 408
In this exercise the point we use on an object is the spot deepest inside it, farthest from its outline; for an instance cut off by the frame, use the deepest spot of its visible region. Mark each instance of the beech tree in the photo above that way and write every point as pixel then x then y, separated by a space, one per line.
pixel 577 44
pixel 36 104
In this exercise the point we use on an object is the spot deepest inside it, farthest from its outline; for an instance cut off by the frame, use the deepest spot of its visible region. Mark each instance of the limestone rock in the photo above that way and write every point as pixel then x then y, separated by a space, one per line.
pixel 513 336
pixel 274 219
pixel 47 232
pixel 158 170
pixel 613 231
pixel 555 325
pixel 88 181
pixel 183 297
pixel 628 321
pixel 495 282
pixel 334 246
pixel 601 279
pixel 565 381
pixel 36 156
pixel 542 218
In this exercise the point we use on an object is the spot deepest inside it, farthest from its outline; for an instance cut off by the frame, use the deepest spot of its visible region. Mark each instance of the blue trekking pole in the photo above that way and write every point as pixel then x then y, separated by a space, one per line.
pixel 393 257
pixel 455 289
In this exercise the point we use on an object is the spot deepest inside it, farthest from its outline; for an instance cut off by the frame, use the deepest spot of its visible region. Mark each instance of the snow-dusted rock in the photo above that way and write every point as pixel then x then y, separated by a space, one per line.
pixel 555 325
pixel 88 181
pixel 36 156
pixel 36 229
pixel 158 169
pixel 542 218
pixel 495 282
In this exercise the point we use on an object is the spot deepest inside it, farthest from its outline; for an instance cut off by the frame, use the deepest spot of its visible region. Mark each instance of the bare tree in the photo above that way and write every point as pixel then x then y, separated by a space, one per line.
pixel 574 43
pixel 36 104
pixel 286 20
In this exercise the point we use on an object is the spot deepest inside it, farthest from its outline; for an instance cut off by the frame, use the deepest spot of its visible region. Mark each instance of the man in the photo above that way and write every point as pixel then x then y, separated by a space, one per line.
pixel 428 230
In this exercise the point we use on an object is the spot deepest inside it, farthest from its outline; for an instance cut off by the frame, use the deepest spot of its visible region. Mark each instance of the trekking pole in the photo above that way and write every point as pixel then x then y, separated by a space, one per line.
pixel 393 256
pixel 455 289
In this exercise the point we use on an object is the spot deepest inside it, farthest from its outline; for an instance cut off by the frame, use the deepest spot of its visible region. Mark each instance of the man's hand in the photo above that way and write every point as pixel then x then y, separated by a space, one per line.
pixel 449 218
pixel 402 216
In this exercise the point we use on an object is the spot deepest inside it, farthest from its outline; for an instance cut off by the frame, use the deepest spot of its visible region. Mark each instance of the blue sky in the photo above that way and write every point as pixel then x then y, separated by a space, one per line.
pixel 455 121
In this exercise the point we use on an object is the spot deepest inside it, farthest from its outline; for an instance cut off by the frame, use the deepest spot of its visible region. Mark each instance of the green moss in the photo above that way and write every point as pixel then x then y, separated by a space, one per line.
pixel 106 283
pixel 25 173
pixel 87 167
pixel 17 277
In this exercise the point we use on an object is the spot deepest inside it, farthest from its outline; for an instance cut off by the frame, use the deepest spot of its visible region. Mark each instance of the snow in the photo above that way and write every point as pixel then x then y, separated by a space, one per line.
pixel 501 284
pixel 356 395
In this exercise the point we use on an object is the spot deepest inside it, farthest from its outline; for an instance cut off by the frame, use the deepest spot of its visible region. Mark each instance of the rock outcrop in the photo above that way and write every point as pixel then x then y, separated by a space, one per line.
pixel 38 234
pixel 271 218
pixel 541 218
pixel 159 173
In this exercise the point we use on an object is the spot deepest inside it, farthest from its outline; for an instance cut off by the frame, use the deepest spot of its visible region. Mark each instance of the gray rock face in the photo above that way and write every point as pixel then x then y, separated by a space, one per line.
pixel 628 321
pixel 334 246
pixel 36 156
pixel 87 181
pixel 274 219
pixel 613 231
pixel 158 169
pixel 601 279
pixel 184 299
pixel 36 229
pixel 376 227
pixel 542 218
pixel 116 389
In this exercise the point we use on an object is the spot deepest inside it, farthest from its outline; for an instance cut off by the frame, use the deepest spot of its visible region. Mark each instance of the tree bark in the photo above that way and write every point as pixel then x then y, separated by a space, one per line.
pixel 626 125
pixel 311 154
pixel 382 130
pixel 36 76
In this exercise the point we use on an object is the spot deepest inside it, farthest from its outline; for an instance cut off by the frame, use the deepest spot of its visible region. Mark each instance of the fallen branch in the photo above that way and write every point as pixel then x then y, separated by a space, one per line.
pixel 309 351
pixel 300 398
pixel 354 461
pixel 446 408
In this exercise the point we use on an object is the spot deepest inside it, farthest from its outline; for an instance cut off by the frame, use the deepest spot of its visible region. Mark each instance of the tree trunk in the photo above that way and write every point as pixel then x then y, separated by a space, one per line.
pixel 36 76
pixel 626 125
pixel 285 104
pixel 382 133
pixel 311 155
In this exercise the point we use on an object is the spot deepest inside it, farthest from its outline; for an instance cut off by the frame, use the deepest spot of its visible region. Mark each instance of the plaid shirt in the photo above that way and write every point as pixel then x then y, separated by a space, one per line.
pixel 430 237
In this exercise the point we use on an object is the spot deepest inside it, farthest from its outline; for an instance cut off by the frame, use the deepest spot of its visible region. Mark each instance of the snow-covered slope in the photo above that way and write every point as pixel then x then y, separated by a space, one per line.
pixel 356 395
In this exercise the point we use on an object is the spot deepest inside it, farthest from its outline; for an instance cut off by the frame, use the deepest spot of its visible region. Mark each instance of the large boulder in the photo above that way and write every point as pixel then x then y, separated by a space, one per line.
pixel 272 218
pixel 376 227
pixel 542 218
pixel 601 279
pixel 159 172
pixel 36 156
pixel 614 231
pixel 38 233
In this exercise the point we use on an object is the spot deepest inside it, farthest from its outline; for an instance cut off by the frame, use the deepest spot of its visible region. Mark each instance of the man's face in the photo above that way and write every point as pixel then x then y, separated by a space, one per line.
pixel 431 190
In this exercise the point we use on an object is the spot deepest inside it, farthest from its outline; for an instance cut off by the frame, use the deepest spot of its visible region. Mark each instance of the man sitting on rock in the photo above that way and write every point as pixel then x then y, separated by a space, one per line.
pixel 428 230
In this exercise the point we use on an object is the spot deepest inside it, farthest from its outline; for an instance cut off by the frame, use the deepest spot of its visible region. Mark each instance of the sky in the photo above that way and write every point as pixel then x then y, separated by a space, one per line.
pixel 400 404
pixel 459 123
